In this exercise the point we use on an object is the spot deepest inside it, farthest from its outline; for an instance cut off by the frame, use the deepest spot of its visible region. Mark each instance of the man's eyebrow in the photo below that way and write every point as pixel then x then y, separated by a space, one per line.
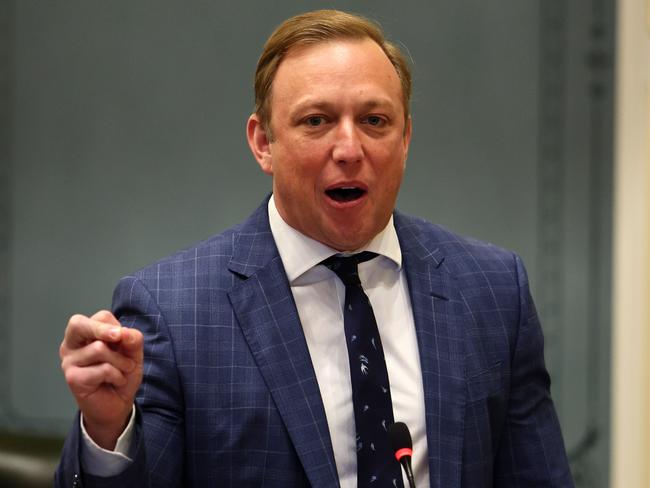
pixel 384 103
pixel 311 104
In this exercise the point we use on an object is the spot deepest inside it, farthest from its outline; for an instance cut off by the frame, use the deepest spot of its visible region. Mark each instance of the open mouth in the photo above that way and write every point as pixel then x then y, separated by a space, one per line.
pixel 345 193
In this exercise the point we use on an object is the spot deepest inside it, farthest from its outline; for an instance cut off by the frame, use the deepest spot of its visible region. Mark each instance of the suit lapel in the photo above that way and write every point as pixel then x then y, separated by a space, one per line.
pixel 438 312
pixel 266 312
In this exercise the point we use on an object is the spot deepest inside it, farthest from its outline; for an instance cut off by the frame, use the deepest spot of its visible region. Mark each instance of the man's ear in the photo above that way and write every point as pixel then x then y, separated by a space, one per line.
pixel 408 131
pixel 259 143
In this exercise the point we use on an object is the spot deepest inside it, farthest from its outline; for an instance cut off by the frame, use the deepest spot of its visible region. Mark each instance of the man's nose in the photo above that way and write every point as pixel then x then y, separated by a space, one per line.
pixel 347 144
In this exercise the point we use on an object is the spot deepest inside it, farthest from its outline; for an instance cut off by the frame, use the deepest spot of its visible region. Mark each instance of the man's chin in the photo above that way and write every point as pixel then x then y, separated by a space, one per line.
pixel 348 241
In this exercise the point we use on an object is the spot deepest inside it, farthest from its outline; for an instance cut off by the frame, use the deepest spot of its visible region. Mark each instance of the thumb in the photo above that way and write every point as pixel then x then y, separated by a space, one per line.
pixel 132 344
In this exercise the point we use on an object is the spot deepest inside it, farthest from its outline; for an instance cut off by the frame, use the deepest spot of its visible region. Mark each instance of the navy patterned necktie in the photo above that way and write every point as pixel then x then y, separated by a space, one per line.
pixel 373 408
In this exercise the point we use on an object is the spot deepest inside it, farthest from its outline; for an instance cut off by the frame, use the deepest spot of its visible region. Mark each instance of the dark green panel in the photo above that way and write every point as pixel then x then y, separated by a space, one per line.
pixel 5 195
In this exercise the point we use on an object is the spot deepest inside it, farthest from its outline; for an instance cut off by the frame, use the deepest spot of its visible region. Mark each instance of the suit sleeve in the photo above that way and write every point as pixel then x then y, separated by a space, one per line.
pixel 158 439
pixel 531 451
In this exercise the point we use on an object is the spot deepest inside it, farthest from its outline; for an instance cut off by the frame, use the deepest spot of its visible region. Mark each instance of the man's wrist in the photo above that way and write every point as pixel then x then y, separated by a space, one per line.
pixel 107 437
pixel 98 461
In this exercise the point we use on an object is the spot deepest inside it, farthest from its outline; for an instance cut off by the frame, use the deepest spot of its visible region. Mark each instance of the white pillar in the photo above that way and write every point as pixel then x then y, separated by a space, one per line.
pixel 631 259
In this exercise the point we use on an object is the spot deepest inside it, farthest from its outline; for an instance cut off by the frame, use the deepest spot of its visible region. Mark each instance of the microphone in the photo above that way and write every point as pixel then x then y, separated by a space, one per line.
pixel 400 440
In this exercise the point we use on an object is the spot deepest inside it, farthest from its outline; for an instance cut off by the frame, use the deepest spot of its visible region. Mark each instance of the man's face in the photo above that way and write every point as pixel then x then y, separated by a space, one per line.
pixel 339 141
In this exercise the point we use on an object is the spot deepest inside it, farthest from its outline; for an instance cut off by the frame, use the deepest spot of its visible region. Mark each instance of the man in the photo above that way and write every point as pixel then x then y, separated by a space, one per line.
pixel 242 348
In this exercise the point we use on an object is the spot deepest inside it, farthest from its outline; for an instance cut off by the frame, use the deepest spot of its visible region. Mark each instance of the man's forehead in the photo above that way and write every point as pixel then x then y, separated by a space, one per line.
pixel 303 50
pixel 352 61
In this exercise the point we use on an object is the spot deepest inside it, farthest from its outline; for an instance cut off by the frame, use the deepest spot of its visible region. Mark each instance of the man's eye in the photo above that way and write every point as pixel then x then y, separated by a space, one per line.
pixel 374 120
pixel 315 121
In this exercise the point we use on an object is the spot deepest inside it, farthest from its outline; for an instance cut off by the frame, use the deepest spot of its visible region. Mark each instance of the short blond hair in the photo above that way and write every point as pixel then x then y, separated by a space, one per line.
pixel 316 27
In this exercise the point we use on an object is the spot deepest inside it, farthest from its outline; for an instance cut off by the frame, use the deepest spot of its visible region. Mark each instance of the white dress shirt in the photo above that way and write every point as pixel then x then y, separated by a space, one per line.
pixel 319 296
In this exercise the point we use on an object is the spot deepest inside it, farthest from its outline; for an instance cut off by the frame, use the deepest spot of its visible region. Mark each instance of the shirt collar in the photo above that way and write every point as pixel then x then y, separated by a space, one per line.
pixel 300 253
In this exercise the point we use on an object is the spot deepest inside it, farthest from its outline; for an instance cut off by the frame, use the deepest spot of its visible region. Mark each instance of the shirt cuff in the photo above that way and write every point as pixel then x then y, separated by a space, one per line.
pixel 98 461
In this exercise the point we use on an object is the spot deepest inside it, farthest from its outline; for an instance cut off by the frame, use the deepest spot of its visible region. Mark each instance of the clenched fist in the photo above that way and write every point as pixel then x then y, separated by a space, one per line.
pixel 102 364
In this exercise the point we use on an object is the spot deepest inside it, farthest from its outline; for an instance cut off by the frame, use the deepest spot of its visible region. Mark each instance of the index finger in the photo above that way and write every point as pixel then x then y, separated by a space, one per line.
pixel 106 317
pixel 81 330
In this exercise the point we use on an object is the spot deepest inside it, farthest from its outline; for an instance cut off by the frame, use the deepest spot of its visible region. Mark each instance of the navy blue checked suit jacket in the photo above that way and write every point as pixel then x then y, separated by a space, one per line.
pixel 230 398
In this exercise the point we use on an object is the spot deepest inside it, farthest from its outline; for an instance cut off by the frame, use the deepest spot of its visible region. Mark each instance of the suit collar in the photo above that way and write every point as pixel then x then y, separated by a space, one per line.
pixel 253 244
pixel 424 246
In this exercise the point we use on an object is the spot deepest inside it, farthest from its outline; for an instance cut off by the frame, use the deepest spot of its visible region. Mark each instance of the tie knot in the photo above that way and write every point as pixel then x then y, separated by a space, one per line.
pixel 346 267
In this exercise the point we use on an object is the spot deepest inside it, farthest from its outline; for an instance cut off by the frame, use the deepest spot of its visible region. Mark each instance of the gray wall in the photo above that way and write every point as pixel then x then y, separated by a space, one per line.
pixel 122 139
